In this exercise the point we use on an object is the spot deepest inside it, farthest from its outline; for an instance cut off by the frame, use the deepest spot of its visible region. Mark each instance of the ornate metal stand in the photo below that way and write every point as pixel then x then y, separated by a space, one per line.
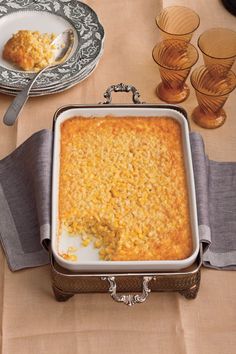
pixel 65 284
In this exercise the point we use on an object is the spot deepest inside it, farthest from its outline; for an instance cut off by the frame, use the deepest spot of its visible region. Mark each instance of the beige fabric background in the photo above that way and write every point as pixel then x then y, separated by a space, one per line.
pixel 32 321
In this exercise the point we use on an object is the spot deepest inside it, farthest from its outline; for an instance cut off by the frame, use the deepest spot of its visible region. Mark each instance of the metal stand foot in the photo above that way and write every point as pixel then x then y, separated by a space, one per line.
pixel 190 293
pixel 60 295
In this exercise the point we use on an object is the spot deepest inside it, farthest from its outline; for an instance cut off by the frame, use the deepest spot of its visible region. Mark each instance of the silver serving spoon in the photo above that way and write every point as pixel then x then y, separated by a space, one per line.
pixel 63 45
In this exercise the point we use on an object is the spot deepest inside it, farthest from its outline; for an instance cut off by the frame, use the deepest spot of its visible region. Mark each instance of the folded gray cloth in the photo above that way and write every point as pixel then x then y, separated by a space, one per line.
pixel 216 202
pixel 25 178
pixel 25 195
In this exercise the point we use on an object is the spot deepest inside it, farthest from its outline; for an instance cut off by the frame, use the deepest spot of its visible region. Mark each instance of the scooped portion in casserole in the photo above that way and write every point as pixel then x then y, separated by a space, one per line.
pixel 123 187
pixel 29 50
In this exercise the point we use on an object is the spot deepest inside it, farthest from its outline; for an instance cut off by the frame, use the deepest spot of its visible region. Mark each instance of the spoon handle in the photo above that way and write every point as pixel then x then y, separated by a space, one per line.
pixel 19 101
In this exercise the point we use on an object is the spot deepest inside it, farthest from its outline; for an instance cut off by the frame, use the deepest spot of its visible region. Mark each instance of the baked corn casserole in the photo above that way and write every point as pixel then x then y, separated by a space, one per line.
pixel 29 50
pixel 122 187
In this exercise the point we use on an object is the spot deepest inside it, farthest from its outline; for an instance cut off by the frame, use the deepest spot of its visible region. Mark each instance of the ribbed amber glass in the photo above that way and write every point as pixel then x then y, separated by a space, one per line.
pixel 175 59
pixel 177 22
pixel 211 94
pixel 218 46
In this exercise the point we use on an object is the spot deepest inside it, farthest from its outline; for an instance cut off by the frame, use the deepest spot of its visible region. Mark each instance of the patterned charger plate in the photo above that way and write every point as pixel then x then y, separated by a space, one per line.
pixel 51 16
pixel 53 90
pixel 58 86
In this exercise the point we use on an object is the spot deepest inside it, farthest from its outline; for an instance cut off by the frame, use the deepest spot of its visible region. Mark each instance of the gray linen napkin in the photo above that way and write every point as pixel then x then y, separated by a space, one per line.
pixel 25 178
pixel 216 202
pixel 25 194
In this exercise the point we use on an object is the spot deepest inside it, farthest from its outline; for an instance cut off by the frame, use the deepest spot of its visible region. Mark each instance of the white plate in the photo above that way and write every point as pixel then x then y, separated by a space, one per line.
pixel 43 22
pixel 88 257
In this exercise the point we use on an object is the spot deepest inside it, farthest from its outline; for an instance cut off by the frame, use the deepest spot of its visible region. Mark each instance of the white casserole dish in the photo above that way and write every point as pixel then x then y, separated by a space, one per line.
pixel 88 260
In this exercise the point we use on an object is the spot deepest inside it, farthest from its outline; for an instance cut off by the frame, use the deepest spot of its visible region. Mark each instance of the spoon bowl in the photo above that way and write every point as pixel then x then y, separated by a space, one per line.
pixel 63 44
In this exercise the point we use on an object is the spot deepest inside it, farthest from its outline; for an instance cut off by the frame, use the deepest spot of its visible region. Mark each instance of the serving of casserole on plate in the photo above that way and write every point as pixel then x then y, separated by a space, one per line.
pixel 123 190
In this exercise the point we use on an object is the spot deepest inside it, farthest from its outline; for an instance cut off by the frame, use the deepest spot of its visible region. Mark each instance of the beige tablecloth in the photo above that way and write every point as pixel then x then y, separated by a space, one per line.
pixel 32 321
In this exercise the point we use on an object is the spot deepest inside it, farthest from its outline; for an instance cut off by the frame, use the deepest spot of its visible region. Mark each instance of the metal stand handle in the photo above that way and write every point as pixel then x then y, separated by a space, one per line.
pixel 129 299
pixel 122 88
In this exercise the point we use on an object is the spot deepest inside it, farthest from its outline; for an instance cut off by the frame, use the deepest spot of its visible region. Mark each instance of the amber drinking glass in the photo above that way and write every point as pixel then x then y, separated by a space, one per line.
pixel 218 46
pixel 211 94
pixel 177 22
pixel 175 59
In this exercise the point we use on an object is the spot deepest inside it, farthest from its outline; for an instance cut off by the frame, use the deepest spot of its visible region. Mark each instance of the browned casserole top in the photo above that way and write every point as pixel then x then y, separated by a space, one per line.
pixel 123 187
